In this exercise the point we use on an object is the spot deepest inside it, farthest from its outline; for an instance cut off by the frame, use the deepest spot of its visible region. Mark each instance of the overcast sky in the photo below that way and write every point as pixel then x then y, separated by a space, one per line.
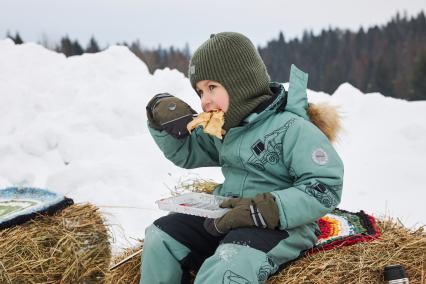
pixel 171 22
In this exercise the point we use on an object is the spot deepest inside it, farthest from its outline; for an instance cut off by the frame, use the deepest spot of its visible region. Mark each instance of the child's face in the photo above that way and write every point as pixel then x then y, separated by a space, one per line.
pixel 213 95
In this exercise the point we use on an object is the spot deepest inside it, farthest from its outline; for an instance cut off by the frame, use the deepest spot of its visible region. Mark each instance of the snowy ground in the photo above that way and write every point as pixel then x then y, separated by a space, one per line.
pixel 77 126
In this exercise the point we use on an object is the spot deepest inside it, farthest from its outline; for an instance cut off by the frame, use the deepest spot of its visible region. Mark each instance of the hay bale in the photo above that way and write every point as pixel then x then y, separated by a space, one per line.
pixel 127 273
pixel 359 263
pixel 363 262
pixel 71 246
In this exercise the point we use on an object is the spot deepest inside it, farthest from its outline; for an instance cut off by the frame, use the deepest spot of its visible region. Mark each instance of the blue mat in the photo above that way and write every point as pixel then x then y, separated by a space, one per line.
pixel 18 205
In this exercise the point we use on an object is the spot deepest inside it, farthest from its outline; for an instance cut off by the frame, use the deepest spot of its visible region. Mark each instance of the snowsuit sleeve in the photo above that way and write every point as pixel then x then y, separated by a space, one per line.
pixel 196 150
pixel 317 174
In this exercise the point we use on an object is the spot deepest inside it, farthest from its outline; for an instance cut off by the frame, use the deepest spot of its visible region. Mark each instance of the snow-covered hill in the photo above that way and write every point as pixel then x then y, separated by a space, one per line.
pixel 77 126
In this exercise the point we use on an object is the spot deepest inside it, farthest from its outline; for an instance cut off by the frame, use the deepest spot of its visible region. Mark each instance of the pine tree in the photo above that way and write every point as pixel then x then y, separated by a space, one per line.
pixel 417 89
pixel 18 39
pixel 76 48
pixel 93 46
pixel 186 51
pixel 281 38
pixel 66 46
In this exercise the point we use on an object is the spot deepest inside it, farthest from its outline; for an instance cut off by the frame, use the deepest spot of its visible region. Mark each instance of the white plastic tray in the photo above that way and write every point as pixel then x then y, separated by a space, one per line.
pixel 194 203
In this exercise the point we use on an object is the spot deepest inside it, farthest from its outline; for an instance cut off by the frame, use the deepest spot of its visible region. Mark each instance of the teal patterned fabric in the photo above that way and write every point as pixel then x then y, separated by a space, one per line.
pixel 18 205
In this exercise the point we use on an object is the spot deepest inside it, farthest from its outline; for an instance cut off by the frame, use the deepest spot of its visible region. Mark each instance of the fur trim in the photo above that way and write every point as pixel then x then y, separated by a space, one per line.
pixel 327 118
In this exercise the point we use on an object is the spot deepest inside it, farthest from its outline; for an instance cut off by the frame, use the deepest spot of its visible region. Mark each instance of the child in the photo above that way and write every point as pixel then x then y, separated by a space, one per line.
pixel 280 169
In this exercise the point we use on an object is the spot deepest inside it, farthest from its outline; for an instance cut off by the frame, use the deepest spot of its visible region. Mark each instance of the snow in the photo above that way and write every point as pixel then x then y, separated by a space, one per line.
pixel 77 126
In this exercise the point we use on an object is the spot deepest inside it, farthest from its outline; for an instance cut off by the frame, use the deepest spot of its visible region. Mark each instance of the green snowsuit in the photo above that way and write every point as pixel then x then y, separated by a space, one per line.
pixel 275 151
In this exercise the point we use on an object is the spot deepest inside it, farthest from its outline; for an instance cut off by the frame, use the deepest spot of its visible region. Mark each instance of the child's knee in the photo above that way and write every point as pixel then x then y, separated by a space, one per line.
pixel 238 263
pixel 153 236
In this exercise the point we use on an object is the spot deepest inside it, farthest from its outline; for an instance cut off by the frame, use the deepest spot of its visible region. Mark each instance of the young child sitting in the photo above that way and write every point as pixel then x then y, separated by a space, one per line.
pixel 280 170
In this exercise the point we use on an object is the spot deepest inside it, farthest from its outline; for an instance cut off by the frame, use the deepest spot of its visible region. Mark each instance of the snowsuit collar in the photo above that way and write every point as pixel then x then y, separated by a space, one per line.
pixel 295 100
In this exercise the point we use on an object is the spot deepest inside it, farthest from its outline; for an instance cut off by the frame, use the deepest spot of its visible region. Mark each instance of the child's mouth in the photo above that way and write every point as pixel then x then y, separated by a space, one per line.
pixel 197 114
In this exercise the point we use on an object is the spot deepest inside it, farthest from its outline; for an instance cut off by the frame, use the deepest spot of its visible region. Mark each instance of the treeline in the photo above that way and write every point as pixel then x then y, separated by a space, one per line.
pixel 160 58
pixel 389 59
pixel 157 58
pixel 66 45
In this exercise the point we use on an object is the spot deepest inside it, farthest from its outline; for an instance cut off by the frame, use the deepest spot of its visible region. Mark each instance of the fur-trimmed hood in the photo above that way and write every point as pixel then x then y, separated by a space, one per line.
pixel 327 118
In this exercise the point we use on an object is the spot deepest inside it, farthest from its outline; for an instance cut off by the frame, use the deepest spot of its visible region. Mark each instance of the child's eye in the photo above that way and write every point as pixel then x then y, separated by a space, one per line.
pixel 211 87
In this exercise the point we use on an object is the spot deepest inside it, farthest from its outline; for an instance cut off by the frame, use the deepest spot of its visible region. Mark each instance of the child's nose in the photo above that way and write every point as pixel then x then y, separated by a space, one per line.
pixel 206 104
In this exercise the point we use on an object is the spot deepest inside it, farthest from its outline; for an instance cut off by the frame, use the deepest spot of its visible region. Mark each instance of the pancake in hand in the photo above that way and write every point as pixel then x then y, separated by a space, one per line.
pixel 201 119
pixel 211 122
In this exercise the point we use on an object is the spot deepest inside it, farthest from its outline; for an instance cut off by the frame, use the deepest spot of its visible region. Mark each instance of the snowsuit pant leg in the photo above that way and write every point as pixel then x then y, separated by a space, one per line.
pixel 174 245
pixel 252 255
pixel 160 257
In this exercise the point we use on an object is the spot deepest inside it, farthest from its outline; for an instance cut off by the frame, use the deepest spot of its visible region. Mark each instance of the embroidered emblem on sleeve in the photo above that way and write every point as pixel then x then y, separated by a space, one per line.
pixel 319 156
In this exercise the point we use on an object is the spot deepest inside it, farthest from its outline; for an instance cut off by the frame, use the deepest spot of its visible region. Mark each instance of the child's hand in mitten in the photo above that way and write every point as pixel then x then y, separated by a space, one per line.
pixel 167 112
pixel 260 211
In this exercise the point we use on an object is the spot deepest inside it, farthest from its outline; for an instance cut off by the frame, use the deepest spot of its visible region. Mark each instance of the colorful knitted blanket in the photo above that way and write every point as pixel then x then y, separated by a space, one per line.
pixel 343 228
pixel 18 205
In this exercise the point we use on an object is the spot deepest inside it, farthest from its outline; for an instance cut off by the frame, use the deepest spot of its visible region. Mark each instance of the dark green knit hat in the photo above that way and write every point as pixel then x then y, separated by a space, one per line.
pixel 232 60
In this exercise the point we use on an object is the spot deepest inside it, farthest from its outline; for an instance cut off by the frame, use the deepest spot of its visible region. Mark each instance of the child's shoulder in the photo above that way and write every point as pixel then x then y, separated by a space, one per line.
pixel 290 120
pixel 285 116
pixel 280 122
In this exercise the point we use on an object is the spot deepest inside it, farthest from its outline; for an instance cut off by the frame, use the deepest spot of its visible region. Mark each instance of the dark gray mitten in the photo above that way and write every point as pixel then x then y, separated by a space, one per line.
pixel 169 113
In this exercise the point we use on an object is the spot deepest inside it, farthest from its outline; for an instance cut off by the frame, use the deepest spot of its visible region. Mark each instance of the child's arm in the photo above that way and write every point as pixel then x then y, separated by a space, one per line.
pixel 317 171
pixel 195 150
pixel 168 117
